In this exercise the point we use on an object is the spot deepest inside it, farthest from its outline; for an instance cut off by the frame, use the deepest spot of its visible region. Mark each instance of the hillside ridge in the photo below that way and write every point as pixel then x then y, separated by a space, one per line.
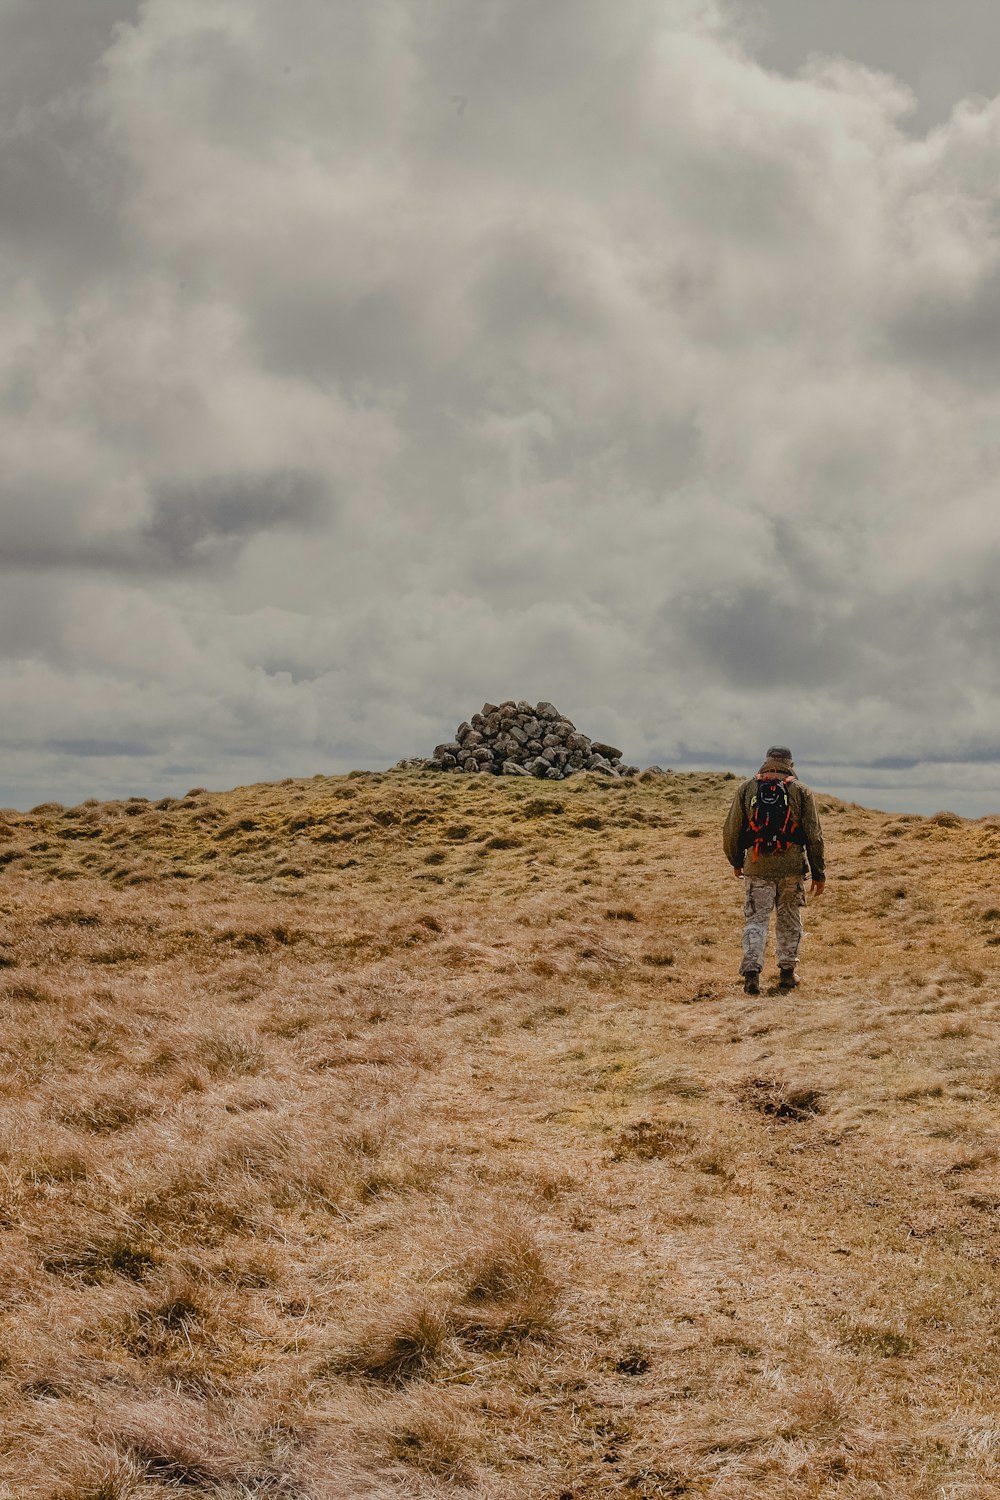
pixel 186 835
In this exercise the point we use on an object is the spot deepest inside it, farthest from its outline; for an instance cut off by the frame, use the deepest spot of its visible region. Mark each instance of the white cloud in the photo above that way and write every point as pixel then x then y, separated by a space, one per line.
pixel 419 356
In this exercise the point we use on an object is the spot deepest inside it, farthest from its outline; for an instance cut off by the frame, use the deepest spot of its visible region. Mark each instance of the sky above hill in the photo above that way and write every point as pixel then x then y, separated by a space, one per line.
pixel 361 362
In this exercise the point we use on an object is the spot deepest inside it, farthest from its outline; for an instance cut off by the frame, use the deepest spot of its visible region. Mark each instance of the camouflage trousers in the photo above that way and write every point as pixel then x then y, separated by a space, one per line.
pixel 786 897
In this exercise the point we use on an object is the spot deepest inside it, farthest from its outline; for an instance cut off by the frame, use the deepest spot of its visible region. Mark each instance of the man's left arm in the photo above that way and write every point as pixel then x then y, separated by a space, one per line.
pixel 732 834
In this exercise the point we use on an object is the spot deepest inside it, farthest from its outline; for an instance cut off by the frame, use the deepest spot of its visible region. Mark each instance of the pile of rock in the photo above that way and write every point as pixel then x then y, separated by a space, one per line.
pixel 516 739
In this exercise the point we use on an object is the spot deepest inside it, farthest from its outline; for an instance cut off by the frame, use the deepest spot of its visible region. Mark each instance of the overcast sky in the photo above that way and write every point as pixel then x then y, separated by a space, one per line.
pixel 359 362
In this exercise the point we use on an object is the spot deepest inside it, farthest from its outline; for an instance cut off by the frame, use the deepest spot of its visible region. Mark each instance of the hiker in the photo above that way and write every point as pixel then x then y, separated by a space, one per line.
pixel 771 832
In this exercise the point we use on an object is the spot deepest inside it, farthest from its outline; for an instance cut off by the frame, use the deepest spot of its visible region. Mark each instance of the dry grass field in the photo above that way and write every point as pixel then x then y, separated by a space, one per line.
pixel 410 1135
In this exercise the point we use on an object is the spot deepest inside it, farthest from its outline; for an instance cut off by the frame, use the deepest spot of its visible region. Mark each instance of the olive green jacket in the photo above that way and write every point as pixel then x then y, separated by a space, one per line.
pixel 793 860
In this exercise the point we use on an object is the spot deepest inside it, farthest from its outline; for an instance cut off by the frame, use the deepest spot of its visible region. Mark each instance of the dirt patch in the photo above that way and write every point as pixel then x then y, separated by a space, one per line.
pixel 783 1101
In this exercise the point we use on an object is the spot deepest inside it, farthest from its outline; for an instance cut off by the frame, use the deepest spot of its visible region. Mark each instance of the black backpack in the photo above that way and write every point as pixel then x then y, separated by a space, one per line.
pixel 771 821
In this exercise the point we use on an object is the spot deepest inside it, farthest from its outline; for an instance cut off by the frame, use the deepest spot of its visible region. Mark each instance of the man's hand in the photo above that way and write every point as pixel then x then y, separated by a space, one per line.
pixel 737 872
pixel 817 888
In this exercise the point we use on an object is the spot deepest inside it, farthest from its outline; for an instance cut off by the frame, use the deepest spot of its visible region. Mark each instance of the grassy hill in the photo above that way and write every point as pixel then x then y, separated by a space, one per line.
pixel 410 1135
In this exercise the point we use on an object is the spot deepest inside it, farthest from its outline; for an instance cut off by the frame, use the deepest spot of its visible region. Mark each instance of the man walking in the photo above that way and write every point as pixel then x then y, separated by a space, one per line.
pixel 772 830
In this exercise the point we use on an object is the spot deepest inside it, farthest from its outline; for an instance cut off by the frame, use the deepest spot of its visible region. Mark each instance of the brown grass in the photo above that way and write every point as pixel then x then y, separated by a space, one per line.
pixel 403 1136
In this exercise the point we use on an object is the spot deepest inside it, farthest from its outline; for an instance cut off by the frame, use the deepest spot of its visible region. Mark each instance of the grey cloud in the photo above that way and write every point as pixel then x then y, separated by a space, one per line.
pixel 310 330
pixel 757 638
pixel 943 53
pixel 45 526
pixel 194 522
pixel 58 207
pixel 100 749
pixel 43 59
pixel 529 286
pixel 986 756
pixel 958 332
pixel 60 185
pixel 31 615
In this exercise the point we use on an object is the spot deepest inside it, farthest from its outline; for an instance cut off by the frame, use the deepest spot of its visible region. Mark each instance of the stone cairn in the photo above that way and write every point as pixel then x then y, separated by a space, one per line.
pixel 516 739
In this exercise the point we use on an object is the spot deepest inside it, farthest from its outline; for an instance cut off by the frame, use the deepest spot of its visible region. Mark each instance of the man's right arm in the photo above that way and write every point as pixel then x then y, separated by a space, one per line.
pixel 732 834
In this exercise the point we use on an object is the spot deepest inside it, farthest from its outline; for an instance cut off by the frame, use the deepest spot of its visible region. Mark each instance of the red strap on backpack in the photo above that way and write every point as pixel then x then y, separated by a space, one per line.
pixel 757 828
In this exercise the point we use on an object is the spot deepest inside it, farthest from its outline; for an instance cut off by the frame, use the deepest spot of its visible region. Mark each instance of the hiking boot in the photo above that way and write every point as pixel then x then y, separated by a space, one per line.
pixel 787 979
pixel 751 982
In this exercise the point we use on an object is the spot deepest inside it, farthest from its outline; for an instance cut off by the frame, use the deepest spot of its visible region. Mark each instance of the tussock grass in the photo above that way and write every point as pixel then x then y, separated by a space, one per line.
pixel 424 1143
pixel 399 1345
pixel 103 1474
pixel 428 1432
